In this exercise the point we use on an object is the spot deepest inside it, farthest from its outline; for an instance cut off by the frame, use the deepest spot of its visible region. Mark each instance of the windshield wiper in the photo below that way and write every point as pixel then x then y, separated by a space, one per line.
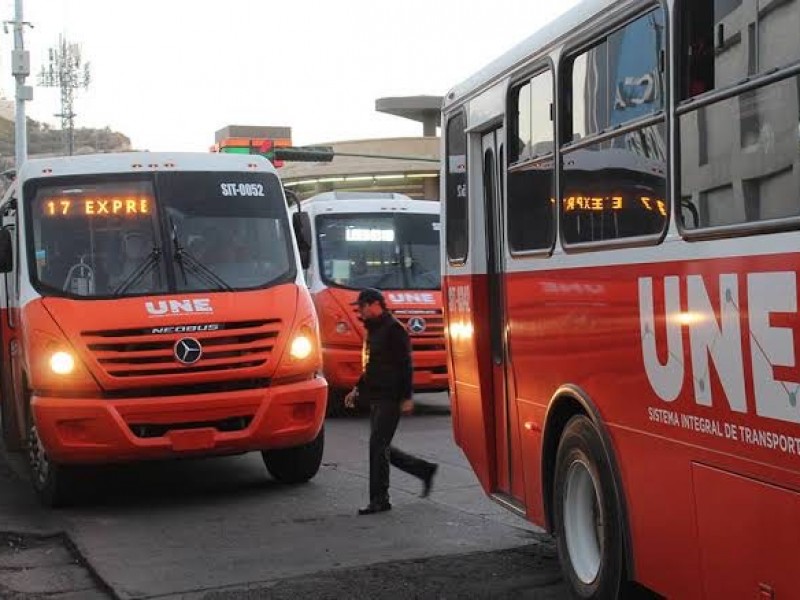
pixel 189 263
pixel 149 263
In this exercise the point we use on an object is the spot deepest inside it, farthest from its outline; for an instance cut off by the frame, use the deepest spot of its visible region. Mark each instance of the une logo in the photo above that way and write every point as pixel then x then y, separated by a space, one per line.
pixel 408 298
pixel 752 352
pixel 177 307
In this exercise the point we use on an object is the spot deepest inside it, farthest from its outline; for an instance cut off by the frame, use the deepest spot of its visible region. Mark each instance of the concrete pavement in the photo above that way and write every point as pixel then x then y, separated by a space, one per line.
pixel 193 527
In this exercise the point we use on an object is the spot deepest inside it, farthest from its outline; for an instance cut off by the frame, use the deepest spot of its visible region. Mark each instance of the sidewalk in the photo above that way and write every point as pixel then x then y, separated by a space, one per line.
pixel 37 560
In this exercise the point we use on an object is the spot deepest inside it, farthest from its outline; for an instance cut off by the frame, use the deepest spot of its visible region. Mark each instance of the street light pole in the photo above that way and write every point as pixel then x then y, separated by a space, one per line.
pixel 20 69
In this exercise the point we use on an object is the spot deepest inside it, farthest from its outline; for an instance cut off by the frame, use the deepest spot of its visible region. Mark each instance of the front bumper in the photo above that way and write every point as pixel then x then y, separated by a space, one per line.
pixel 96 431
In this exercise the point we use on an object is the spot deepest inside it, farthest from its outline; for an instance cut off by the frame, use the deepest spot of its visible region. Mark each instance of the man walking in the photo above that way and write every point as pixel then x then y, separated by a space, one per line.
pixel 386 383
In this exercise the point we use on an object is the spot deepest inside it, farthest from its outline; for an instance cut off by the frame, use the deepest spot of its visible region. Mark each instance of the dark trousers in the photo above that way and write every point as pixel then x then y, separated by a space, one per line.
pixel 384 416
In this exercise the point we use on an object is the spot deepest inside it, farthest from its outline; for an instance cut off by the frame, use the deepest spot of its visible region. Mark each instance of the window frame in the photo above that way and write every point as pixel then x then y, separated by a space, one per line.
pixel 663 117
pixel 456 261
pixel 538 68
pixel 716 97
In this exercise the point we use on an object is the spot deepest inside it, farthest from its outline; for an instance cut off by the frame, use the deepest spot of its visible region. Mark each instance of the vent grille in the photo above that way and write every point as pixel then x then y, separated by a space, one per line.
pixel 149 352
pixel 432 337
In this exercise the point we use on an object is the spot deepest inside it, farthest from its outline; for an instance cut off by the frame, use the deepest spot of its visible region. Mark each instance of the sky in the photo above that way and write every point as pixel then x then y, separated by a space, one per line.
pixel 169 73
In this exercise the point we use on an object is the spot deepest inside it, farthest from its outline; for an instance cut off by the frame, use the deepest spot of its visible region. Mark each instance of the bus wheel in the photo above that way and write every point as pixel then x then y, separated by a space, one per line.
pixel 588 523
pixel 54 484
pixel 298 464
pixel 11 437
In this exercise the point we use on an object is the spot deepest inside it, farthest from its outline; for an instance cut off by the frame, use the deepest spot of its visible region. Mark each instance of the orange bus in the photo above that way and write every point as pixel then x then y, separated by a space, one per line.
pixel 153 307
pixel 621 256
pixel 382 240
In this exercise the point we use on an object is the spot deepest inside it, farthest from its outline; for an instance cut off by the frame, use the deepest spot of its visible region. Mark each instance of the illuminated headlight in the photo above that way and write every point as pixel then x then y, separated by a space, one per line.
pixel 62 363
pixel 301 347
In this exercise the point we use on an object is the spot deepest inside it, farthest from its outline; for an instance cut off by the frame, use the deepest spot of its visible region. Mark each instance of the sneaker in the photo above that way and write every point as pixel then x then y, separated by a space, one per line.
pixel 427 481
pixel 375 507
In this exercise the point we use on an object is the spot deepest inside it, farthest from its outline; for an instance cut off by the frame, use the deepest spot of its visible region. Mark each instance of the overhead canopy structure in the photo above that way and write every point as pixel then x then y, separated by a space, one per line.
pixel 425 109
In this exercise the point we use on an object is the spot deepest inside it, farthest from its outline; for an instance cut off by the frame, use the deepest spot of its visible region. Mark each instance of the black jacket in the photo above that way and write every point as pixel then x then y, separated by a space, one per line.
pixel 387 363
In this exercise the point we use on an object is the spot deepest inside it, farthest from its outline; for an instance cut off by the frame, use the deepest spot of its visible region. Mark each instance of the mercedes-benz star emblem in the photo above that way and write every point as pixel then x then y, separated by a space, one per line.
pixel 416 325
pixel 188 351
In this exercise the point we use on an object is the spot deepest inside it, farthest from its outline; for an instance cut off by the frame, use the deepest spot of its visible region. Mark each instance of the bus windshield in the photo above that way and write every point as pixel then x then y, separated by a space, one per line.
pixel 387 251
pixel 117 236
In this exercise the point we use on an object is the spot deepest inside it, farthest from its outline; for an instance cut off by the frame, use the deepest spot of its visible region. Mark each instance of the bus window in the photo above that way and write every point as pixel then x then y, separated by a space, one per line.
pixel 589 112
pixel 386 251
pixel 243 240
pixel 616 188
pixel 730 177
pixel 530 175
pixel 619 80
pixel 726 41
pixel 456 194
pixel 89 239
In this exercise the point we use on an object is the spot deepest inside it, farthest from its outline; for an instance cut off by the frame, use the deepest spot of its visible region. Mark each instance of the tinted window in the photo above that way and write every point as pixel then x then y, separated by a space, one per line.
pixel 616 189
pixel 530 181
pixel 740 157
pixel 589 93
pixel 524 143
pixel 381 251
pixel 233 224
pixel 104 236
pixel 457 232
pixel 725 41
pixel 619 80
pixel 91 237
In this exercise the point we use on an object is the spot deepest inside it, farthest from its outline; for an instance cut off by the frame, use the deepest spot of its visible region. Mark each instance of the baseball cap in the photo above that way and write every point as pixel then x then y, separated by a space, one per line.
pixel 368 296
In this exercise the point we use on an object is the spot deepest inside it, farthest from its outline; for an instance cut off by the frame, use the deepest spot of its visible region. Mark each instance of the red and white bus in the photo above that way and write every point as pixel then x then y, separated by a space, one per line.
pixel 153 306
pixel 621 255
pixel 381 240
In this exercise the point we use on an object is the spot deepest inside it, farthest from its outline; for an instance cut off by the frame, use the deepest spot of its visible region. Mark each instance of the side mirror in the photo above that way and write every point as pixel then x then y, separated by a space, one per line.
pixel 292 199
pixel 301 223
pixel 6 251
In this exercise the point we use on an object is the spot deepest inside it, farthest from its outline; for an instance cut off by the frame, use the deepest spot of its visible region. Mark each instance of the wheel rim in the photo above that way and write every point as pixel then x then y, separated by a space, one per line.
pixel 37 457
pixel 583 522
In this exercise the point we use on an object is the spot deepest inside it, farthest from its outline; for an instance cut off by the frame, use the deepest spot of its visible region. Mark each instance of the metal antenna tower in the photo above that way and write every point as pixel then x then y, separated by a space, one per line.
pixel 65 70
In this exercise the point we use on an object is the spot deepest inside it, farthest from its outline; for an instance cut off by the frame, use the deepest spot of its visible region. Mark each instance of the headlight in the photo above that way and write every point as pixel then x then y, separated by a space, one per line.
pixel 302 347
pixel 62 363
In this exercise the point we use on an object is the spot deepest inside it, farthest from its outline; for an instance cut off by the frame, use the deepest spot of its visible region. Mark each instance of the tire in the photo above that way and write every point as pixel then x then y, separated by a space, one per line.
pixel 55 485
pixel 298 464
pixel 587 517
pixel 11 437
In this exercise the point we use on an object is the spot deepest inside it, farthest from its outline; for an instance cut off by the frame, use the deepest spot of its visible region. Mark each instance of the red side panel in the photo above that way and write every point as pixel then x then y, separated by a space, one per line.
pixel 754 556
pixel 469 339
pixel 686 362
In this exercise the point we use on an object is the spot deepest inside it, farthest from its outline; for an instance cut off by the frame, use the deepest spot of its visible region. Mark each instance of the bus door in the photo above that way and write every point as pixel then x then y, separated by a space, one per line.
pixel 493 191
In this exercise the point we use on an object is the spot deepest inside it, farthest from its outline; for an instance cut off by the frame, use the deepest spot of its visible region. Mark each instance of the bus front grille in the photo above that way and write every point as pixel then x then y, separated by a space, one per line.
pixel 154 351
pixel 425 327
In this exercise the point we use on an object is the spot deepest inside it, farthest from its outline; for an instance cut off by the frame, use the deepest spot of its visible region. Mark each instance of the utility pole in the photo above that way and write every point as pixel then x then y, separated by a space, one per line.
pixel 20 69
pixel 65 70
